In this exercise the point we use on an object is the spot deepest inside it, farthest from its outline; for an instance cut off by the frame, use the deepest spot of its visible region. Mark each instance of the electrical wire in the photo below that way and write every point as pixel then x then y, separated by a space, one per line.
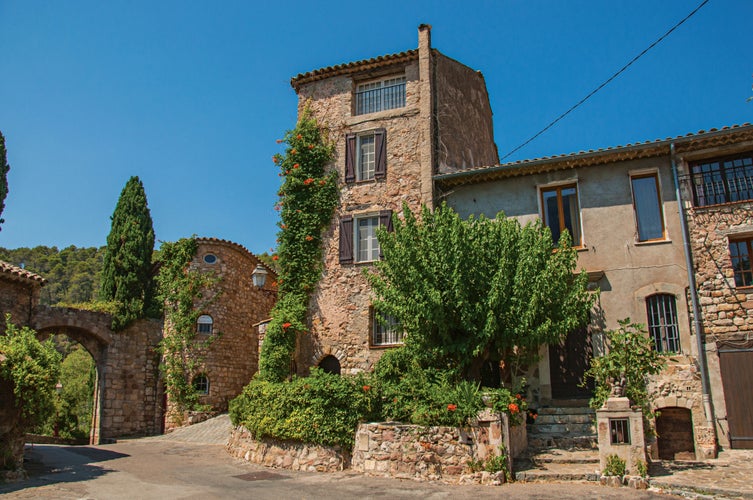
pixel 572 108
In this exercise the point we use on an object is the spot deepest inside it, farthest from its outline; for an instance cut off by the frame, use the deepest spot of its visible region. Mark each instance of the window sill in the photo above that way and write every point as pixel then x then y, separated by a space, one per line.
pixel 385 346
pixel 382 115
pixel 652 242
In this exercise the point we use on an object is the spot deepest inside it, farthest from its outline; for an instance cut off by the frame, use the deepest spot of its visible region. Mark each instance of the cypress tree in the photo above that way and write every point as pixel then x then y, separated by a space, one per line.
pixel 4 167
pixel 126 273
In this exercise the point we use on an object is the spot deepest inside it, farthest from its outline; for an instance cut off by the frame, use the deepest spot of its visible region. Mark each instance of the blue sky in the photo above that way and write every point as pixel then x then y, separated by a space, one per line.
pixel 191 96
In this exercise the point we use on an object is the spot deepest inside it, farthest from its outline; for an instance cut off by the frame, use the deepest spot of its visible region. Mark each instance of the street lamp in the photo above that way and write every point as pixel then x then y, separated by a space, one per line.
pixel 259 276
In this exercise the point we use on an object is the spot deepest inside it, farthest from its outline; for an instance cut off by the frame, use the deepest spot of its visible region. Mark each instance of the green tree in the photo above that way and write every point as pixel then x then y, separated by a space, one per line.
pixel 468 291
pixel 631 358
pixel 126 275
pixel 32 369
pixel 77 376
pixel 4 168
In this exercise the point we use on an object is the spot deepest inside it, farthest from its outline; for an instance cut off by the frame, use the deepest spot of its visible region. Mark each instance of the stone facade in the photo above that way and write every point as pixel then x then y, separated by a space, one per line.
pixel 232 358
pixel 19 293
pixel 445 105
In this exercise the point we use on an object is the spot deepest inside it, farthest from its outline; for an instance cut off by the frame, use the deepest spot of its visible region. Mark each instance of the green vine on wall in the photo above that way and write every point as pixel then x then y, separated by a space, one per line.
pixel 185 293
pixel 308 197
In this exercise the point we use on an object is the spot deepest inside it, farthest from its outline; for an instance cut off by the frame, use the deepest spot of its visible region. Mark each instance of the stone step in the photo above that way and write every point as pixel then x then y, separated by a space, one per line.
pixel 563 429
pixel 560 410
pixel 559 456
pixel 556 472
pixel 578 418
pixel 570 442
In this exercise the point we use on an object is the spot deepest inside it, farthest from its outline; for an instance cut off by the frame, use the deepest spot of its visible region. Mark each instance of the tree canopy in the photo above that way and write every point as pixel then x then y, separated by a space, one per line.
pixel 468 291
pixel 127 271
pixel 4 168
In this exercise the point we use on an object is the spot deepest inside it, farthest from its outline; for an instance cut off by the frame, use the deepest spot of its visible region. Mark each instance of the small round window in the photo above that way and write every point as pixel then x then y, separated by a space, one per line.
pixel 210 258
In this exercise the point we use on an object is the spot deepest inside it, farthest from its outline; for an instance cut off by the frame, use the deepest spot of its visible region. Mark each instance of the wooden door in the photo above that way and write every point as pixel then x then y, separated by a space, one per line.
pixel 568 362
pixel 737 378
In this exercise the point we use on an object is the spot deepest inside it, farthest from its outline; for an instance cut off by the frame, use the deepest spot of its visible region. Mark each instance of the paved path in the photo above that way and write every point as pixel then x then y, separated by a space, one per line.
pixel 192 463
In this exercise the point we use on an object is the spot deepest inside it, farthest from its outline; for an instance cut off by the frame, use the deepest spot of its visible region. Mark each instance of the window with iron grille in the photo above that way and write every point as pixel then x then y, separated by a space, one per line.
pixel 379 95
pixel 204 324
pixel 724 180
pixel 619 430
pixel 740 252
pixel 662 322
pixel 385 330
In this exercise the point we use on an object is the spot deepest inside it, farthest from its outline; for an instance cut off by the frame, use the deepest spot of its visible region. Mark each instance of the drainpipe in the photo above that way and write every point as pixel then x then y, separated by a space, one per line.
pixel 697 321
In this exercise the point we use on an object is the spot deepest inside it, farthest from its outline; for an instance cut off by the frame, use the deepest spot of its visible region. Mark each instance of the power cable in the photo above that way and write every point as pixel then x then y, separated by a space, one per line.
pixel 572 108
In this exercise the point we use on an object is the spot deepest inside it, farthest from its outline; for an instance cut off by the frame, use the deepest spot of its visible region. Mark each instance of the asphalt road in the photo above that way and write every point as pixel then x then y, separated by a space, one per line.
pixel 168 469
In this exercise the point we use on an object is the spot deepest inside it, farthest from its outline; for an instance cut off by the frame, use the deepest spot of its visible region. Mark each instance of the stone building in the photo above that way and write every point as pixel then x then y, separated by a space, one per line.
pixel 415 128
pixel 231 359
pixel 19 293
pixel 717 175
pixel 395 121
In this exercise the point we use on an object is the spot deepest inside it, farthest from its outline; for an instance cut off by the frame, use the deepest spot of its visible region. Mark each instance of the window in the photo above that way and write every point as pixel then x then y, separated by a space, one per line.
pixel 358 241
pixel 648 210
pixel 619 431
pixel 210 258
pixel 723 180
pixel 366 156
pixel 201 383
pixel 662 322
pixel 379 95
pixel 562 212
pixel 385 330
pixel 204 324
pixel 740 252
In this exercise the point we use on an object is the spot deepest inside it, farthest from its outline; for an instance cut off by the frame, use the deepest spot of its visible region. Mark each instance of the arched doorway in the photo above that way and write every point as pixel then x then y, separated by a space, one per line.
pixel 674 429
pixel 330 364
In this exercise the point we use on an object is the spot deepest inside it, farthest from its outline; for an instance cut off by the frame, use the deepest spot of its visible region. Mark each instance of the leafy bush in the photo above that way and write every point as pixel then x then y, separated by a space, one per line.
pixel 615 466
pixel 320 409
pixel 641 467
pixel 509 401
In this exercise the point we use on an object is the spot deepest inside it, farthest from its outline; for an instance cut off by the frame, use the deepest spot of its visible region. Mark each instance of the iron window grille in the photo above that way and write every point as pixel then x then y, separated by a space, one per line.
pixel 722 181
pixel 662 322
pixel 385 330
pixel 740 252
pixel 619 430
pixel 380 95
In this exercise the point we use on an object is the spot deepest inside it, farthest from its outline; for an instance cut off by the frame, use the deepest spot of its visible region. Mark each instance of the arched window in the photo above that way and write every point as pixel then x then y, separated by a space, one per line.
pixel 201 383
pixel 661 310
pixel 204 324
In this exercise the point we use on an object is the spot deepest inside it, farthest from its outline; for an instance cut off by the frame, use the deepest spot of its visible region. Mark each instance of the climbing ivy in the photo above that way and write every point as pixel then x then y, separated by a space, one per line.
pixel 185 293
pixel 308 197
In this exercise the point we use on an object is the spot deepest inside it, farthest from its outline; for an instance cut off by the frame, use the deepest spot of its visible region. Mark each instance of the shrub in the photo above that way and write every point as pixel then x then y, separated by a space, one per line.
pixel 615 466
pixel 320 409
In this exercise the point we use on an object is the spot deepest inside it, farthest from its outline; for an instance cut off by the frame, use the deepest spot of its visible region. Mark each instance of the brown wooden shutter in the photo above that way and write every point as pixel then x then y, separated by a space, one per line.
pixel 385 220
pixel 380 151
pixel 346 239
pixel 350 158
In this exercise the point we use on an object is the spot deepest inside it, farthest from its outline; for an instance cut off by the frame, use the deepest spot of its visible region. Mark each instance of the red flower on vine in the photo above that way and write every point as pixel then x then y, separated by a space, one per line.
pixel 452 407
pixel 311 146
pixel 518 396
pixel 296 165
pixel 322 182
pixel 279 141
pixel 292 151
pixel 513 408
pixel 366 388
pixel 309 237
pixel 285 326
pixel 299 137
pixel 308 181
pixel 283 226
pixel 275 257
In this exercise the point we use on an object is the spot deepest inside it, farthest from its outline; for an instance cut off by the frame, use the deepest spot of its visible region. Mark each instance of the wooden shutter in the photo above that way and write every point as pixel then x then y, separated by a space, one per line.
pixel 380 152
pixel 346 239
pixel 385 220
pixel 350 158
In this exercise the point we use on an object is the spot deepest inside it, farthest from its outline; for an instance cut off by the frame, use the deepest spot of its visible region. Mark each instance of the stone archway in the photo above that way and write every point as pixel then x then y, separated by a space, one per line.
pixel 128 396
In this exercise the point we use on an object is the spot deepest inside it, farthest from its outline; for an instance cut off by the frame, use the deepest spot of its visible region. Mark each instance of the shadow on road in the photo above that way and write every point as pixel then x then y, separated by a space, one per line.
pixel 50 464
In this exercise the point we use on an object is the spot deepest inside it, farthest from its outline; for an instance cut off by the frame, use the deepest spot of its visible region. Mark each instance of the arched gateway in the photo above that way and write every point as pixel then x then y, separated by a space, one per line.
pixel 128 397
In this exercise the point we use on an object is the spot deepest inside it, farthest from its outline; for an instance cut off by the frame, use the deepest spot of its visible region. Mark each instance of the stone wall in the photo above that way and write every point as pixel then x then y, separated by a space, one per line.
pixel 283 455
pixel 17 298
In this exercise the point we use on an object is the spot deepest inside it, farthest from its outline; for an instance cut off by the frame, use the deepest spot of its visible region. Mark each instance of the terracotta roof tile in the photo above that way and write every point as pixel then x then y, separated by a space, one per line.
pixel 520 167
pixel 18 273
pixel 353 67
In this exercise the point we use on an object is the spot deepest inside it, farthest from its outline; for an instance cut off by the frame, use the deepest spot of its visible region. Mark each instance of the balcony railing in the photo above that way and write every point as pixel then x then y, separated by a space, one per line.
pixel 381 98
pixel 716 183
